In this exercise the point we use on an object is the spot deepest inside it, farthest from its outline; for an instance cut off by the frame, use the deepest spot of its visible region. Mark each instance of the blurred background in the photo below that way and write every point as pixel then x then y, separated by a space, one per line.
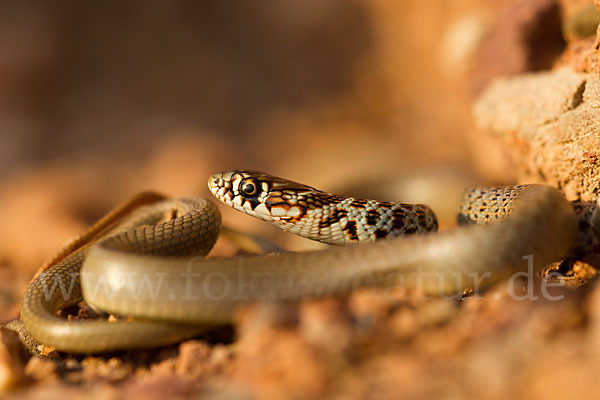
pixel 287 86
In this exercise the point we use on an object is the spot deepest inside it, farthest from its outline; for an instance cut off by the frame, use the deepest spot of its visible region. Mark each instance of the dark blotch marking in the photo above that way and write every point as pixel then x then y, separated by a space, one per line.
pixel 350 229
pixel 398 219
pixel 422 219
pixel 410 229
pixel 253 202
pixel 273 201
pixel 358 203
pixel 380 233
pixel 336 216
pixel 372 217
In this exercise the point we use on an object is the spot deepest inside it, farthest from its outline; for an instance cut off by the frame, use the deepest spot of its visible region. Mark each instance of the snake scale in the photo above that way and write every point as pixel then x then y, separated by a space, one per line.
pixel 146 263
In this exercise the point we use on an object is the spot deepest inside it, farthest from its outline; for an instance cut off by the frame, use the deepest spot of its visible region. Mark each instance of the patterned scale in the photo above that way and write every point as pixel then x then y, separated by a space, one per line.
pixel 483 205
pixel 318 215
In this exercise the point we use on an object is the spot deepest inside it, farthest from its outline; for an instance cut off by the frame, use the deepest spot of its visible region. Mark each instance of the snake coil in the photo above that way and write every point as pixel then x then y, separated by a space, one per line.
pixel 154 271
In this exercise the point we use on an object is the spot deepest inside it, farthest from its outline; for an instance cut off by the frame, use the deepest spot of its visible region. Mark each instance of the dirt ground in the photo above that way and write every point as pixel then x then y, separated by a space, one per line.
pixel 98 103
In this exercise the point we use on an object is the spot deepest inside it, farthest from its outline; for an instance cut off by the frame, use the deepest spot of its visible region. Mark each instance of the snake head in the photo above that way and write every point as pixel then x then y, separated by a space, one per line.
pixel 263 196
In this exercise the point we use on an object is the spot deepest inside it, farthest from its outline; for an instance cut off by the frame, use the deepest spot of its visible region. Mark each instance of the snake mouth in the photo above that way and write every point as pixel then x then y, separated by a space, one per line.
pixel 225 187
pixel 220 186
pixel 215 182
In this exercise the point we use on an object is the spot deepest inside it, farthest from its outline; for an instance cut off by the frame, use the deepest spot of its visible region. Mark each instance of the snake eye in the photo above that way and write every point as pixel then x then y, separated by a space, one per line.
pixel 248 188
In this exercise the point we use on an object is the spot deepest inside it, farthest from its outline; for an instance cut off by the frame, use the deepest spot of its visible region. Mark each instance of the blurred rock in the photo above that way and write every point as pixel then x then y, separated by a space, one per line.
pixel 42 370
pixel 197 358
pixel 326 324
pixel 12 360
pixel 526 36
pixel 582 22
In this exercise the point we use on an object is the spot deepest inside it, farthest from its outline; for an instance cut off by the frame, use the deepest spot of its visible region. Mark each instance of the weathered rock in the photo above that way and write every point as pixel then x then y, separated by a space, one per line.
pixel 552 122
pixel 521 104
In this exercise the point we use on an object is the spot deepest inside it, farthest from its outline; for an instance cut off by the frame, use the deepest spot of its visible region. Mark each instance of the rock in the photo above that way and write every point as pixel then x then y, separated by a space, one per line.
pixel 526 36
pixel 551 120
pixel 12 360
pixel 41 369
pixel 522 103
pixel 326 324
pixel 193 357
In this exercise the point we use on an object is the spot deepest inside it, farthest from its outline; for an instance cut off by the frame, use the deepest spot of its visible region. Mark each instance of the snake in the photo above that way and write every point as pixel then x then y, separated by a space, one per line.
pixel 144 262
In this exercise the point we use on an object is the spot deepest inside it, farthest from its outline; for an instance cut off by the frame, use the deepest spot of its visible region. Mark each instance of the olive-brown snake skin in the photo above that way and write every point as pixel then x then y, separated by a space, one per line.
pixel 153 272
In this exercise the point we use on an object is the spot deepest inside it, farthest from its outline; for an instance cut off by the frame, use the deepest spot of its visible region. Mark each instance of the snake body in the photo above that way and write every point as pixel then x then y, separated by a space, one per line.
pixel 154 271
